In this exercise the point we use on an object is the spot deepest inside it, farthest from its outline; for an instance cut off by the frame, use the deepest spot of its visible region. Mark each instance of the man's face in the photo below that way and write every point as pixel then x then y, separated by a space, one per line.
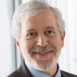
pixel 40 40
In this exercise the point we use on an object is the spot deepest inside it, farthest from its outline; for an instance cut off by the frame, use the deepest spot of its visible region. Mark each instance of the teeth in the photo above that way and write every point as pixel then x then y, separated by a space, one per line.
pixel 42 53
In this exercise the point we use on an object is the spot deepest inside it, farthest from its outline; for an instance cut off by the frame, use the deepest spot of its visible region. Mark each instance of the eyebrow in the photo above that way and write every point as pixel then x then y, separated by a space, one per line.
pixel 30 30
pixel 49 27
pixel 45 28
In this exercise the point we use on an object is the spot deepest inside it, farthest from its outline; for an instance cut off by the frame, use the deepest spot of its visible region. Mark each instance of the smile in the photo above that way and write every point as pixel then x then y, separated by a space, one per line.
pixel 42 53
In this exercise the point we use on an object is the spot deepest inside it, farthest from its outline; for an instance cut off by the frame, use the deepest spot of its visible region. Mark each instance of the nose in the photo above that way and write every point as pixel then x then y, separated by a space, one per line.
pixel 42 41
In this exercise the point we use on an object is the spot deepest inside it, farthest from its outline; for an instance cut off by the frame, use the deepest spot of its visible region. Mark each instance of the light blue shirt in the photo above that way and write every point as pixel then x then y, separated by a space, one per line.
pixel 37 73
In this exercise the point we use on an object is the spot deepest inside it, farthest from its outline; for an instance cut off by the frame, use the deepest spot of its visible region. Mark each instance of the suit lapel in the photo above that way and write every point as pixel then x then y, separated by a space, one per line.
pixel 62 74
pixel 23 71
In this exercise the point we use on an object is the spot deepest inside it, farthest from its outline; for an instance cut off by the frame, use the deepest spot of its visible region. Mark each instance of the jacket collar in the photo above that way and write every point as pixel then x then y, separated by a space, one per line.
pixel 24 72
pixel 62 74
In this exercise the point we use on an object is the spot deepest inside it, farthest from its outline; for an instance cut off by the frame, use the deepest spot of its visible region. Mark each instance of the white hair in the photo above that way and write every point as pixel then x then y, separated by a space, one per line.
pixel 30 9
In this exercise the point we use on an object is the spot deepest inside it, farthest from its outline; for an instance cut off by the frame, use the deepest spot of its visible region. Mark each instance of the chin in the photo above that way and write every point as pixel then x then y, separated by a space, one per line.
pixel 43 66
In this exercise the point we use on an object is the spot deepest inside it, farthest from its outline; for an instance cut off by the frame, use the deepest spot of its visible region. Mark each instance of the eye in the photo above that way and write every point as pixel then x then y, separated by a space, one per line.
pixel 31 35
pixel 50 33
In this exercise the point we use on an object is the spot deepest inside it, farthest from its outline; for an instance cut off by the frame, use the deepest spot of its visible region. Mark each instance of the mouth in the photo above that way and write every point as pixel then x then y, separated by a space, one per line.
pixel 42 53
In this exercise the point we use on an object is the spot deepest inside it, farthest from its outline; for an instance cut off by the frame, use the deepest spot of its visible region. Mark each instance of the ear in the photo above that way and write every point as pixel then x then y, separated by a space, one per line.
pixel 18 46
pixel 63 39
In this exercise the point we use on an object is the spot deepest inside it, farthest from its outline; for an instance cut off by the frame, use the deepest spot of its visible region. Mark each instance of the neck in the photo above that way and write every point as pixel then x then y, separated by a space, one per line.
pixel 52 71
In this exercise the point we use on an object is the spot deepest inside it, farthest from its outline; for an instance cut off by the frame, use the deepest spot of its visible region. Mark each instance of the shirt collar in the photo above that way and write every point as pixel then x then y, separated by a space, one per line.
pixel 37 73
pixel 58 74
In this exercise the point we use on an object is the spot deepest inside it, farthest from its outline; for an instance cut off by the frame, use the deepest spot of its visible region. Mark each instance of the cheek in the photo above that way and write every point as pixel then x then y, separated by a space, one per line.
pixel 56 42
pixel 27 46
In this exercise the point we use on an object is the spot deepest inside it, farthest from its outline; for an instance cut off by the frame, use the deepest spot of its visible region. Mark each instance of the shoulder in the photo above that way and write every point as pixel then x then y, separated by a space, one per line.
pixel 22 71
pixel 13 74
pixel 66 74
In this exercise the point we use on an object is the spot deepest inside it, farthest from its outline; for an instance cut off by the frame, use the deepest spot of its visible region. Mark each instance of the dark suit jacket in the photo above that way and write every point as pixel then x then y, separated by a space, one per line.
pixel 22 71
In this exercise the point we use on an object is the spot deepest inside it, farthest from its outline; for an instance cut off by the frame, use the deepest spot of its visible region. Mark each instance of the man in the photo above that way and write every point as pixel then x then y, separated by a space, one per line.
pixel 39 33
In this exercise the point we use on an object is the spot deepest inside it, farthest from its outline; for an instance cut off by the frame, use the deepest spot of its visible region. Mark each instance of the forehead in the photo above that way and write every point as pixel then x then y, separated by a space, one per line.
pixel 43 19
